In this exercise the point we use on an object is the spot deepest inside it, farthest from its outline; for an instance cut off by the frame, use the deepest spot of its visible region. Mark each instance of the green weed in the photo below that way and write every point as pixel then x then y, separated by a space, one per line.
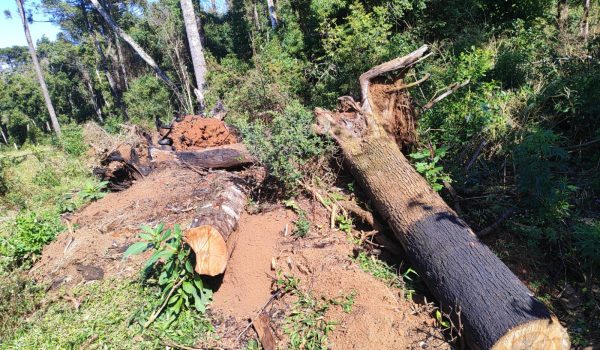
pixel 387 274
pixel 106 315
pixel 302 224
pixel 181 288
pixel 30 233
pixel 93 191
pixel 426 164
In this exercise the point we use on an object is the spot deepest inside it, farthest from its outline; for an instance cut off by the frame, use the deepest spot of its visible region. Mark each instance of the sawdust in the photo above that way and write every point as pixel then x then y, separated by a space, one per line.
pixel 194 132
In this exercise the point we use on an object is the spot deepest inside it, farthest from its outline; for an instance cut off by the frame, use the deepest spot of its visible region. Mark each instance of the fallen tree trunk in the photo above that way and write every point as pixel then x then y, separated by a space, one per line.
pixel 494 309
pixel 220 157
pixel 212 233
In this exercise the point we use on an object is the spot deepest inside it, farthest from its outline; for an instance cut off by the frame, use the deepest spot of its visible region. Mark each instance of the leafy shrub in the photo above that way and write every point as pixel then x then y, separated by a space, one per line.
pixel 32 231
pixel 285 144
pixel 93 190
pixel 587 243
pixel 181 287
pixel 537 158
pixel 427 165
pixel 146 99
pixel 71 140
pixel 46 177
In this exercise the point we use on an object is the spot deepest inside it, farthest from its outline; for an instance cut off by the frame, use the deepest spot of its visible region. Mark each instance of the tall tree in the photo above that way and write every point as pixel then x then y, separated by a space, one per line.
pixel 585 21
pixel 272 14
pixel 38 68
pixel 562 14
pixel 138 49
pixel 196 49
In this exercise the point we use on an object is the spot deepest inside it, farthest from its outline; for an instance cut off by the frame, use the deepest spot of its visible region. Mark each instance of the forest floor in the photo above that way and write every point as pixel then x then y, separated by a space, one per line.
pixel 367 312
pixel 338 293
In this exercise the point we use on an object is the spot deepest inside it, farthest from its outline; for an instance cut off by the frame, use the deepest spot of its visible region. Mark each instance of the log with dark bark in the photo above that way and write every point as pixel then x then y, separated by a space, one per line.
pixel 220 157
pixel 212 233
pixel 496 310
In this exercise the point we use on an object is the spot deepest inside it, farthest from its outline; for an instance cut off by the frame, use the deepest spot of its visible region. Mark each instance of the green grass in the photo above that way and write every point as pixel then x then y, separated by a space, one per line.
pixel 109 316
pixel 386 273
pixel 37 184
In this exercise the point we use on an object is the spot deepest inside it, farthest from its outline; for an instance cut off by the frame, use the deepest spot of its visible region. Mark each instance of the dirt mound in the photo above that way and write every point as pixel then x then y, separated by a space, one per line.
pixel 194 132
pixel 247 282
pixel 380 318
pixel 103 230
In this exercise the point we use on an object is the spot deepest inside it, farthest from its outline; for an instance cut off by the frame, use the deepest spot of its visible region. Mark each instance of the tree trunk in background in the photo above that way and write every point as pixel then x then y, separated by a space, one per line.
pixel 491 307
pixel 85 75
pixel 213 4
pixel 38 69
pixel 272 13
pixel 138 49
pixel 198 61
pixel 562 14
pixel 585 21
pixel 121 61
pixel 112 84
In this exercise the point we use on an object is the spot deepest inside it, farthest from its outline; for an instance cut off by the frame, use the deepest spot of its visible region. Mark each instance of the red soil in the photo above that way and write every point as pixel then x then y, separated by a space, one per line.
pixel 195 132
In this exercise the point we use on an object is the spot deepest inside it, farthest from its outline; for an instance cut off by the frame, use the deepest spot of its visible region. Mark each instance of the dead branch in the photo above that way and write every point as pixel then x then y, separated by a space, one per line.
pixel 406 86
pixel 449 91
pixel 476 155
pixel 507 214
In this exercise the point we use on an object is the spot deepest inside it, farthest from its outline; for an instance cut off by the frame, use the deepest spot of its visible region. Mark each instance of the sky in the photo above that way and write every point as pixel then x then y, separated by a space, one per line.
pixel 11 29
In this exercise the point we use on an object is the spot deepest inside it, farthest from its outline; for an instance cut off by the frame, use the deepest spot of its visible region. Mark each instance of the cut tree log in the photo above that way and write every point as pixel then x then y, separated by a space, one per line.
pixel 495 309
pixel 212 232
pixel 220 157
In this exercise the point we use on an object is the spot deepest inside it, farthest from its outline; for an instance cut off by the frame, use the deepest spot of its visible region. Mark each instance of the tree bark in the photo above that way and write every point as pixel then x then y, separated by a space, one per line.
pixel 272 14
pixel 85 75
pixel 196 50
pixel 562 14
pixel 494 308
pixel 138 49
pixel 112 84
pixel 585 21
pixel 222 157
pixel 211 235
pixel 38 69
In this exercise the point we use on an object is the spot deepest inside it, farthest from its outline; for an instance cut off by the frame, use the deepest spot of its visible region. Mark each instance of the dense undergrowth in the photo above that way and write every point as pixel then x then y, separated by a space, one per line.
pixel 522 137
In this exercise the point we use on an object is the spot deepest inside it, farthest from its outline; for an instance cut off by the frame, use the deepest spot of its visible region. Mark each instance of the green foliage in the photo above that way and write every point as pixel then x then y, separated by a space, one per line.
pixel 538 157
pixel 306 325
pixel 19 296
pixel 285 144
pixel 30 233
pixel 110 316
pixel 302 224
pixel 181 288
pixel 387 274
pixel 93 191
pixel 146 99
pixel 426 164
pixel 586 240
pixel 72 141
